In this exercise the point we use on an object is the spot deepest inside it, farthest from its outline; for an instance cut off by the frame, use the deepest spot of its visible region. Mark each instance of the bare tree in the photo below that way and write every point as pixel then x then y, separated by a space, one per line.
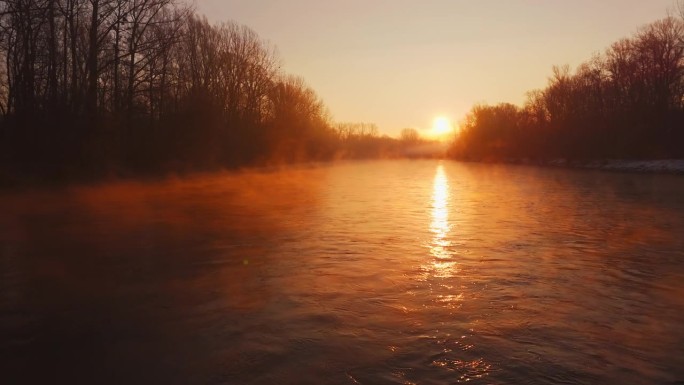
pixel 409 135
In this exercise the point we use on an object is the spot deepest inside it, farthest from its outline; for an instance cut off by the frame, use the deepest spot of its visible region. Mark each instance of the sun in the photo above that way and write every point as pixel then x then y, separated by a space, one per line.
pixel 441 126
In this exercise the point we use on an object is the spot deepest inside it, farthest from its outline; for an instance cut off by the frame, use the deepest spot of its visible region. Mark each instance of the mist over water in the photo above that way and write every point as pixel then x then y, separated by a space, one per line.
pixel 425 272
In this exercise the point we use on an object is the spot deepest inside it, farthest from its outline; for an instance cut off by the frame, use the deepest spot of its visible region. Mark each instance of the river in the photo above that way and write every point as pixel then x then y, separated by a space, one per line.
pixel 383 272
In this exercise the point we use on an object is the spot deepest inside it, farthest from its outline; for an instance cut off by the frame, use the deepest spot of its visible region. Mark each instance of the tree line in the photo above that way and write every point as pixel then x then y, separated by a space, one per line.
pixel 117 86
pixel 627 102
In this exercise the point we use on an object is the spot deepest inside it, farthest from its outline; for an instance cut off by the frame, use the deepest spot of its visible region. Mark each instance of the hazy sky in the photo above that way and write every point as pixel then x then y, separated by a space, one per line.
pixel 400 63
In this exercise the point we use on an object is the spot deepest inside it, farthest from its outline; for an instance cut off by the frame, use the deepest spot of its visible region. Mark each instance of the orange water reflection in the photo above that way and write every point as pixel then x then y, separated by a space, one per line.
pixel 440 247
pixel 401 271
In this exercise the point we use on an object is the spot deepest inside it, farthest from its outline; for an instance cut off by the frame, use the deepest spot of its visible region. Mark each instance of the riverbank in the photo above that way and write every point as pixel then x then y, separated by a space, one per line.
pixel 660 166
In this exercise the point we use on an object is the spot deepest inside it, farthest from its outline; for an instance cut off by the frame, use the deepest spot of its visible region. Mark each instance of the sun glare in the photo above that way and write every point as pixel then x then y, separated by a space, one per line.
pixel 441 126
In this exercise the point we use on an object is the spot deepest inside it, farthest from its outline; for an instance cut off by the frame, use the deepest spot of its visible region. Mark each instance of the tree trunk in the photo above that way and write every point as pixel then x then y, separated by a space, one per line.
pixel 52 54
pixel 92 61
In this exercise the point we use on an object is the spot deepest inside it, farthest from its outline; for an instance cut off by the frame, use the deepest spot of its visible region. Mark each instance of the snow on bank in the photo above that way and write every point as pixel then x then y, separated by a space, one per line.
pixel 670 166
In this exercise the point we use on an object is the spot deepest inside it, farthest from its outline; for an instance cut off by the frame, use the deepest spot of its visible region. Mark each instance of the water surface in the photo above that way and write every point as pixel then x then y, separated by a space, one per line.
pixel 392 272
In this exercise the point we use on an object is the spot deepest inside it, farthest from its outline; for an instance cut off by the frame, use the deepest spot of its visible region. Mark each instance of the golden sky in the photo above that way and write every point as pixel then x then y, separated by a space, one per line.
pixel 401 63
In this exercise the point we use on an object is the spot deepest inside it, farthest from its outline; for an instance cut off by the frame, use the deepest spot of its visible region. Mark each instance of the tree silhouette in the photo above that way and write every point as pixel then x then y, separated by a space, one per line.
pixel 628 102
pixel 101 86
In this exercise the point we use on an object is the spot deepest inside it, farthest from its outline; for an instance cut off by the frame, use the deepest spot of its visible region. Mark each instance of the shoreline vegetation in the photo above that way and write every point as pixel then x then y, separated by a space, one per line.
pixel 92 89
pixel 111 89
pixel 624 103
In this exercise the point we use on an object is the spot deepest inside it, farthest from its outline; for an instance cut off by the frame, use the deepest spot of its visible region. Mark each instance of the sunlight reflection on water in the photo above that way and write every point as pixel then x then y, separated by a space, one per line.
pixel 442 276
pixel 442 266
pixel 440 215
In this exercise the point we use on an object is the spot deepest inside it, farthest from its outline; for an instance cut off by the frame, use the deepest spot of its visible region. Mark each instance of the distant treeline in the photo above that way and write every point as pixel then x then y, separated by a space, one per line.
pixel 625 103
pixel 118 86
